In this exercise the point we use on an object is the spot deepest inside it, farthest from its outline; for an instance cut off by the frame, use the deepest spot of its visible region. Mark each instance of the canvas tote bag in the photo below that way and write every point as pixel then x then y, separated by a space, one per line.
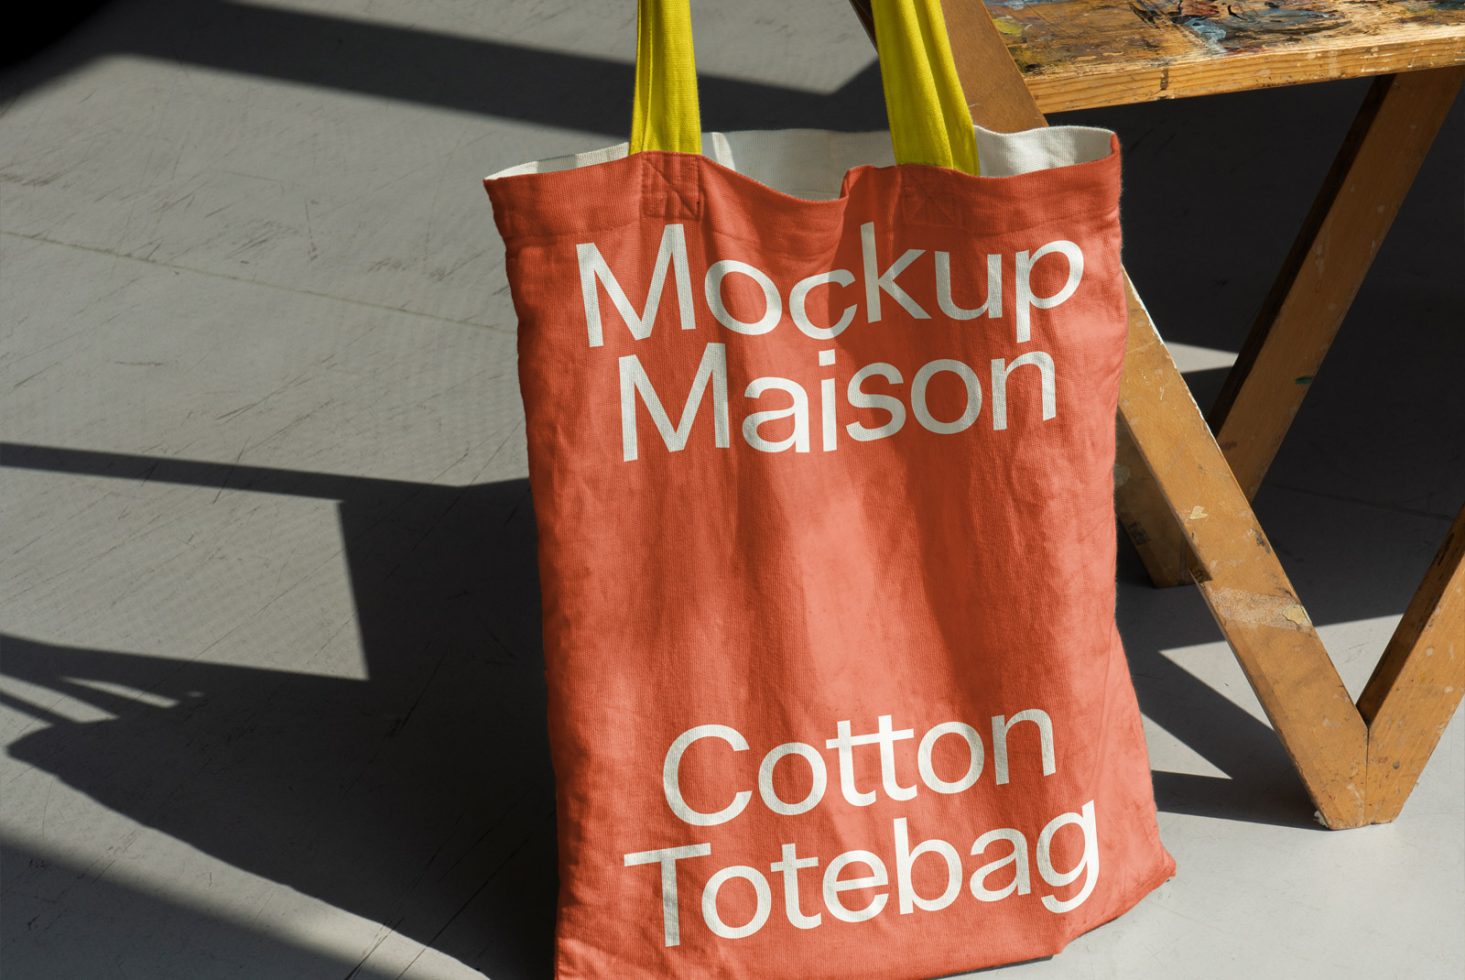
pixel 821 448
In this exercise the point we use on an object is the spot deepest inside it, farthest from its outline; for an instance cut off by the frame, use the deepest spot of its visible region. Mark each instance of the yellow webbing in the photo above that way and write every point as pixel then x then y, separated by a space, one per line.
pixel 929 119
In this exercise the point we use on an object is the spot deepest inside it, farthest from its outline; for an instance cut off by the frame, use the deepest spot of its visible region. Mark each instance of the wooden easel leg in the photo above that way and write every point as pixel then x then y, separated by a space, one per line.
pixel 1418 684
pixel 1242 581
pixel 1299 319
pixel 1187 493
pixel 1163 436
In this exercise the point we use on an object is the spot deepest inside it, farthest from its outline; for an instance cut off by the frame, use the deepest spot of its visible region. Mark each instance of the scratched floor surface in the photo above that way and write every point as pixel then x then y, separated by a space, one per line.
pixel 269 651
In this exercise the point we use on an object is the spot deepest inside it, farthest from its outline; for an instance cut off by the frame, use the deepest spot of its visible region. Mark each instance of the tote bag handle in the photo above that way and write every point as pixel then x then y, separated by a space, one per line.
pixel 929 119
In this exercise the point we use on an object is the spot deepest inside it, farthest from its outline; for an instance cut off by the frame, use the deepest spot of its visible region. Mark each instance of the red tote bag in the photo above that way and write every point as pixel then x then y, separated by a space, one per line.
pixel 821 444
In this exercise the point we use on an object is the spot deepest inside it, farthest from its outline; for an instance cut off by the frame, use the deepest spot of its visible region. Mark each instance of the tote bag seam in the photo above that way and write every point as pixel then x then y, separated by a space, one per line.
pixel 519 239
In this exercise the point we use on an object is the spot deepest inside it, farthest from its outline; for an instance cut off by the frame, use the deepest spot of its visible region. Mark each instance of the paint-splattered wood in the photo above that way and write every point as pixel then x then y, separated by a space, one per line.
pixel 1077 54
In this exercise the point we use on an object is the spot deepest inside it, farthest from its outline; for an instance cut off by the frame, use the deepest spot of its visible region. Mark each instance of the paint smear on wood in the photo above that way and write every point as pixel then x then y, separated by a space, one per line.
pixel 1062 35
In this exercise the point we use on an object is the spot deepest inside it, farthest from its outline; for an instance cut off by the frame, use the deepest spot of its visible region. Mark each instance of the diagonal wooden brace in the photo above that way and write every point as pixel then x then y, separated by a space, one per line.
pixel 1356 204
pixel 1416 686
pixel 1373 171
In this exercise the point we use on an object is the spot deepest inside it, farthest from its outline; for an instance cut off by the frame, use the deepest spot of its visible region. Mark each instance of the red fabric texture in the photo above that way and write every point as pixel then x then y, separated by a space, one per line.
pixel 954 570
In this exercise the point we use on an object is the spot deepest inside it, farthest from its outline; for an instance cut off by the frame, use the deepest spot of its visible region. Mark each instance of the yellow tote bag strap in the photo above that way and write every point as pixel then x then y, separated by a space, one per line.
pixel 929 118
pixel 665 114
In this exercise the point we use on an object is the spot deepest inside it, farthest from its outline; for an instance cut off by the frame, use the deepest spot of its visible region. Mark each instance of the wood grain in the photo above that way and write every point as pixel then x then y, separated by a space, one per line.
pixel 1239 574
pixel 1242 581
pixel 1147 519
pixel 1418 683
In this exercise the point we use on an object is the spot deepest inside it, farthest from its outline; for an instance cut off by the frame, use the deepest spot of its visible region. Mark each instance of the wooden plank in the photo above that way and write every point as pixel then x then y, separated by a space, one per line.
pixel 1243 582
pixel 1079 54
pixel 1417 685
pixel 1245 586
pixel 1352 213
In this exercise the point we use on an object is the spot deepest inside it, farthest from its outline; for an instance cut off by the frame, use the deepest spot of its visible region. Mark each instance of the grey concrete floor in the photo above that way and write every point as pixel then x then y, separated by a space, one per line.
pixel 270 666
